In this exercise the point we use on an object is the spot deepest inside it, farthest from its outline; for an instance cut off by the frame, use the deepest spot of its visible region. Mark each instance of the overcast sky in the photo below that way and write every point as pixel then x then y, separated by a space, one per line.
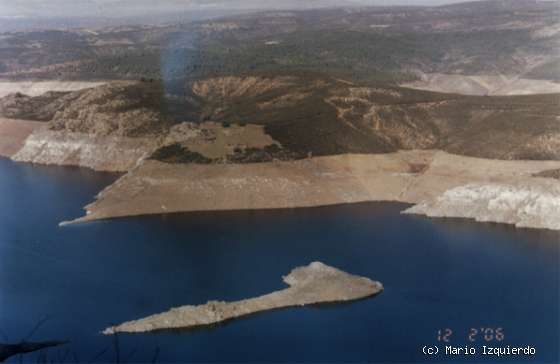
pixel 73 8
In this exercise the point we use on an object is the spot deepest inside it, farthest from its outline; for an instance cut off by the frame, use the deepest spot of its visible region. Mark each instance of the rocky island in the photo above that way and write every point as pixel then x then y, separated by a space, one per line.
pixel 312 284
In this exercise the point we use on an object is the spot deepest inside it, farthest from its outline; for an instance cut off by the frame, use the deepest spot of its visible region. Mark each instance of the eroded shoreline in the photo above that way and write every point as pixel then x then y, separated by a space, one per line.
pixel 522 193
pixel 432 180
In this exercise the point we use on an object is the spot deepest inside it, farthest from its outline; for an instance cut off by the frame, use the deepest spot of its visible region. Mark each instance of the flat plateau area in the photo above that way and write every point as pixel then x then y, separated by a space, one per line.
pixel 441 184
pixel 312 284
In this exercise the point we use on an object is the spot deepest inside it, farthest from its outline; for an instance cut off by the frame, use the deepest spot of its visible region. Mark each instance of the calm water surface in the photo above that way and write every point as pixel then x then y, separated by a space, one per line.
pixel 437 274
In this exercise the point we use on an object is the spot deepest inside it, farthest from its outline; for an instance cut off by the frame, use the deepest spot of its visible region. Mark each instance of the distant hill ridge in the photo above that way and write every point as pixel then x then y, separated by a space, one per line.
pixel 516 38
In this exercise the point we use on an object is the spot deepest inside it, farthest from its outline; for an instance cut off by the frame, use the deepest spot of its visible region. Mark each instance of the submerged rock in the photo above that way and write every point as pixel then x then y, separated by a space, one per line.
pixel 312 284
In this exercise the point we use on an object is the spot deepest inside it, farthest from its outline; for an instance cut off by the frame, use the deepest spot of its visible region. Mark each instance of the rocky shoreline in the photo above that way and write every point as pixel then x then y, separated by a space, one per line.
pixel 523 204
pixel 522 193
pixel 312 284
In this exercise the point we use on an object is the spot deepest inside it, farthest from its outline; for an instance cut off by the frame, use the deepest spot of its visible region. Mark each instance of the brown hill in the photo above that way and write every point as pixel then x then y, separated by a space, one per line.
pixel 322 116
pixel 39 108
pixel 311 114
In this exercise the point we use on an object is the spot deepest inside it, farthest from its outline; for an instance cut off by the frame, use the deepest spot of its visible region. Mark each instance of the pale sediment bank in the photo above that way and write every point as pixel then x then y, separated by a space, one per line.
pixel 522 193
pixel 428 178
pixel 13 134
pixel 483 85
pixel 36 88
pixel 101 153
pixel 115 153
pixel 523 204
pixel 312 284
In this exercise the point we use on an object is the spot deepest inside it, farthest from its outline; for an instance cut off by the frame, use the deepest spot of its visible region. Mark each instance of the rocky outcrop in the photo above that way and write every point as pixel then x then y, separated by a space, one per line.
pixel 534 204
pixel 118 108
pixel 312 284
pixel 126 109
pixel 37 108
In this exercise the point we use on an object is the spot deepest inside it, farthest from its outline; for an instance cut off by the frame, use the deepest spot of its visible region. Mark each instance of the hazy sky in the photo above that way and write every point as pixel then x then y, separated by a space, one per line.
pixel 69 8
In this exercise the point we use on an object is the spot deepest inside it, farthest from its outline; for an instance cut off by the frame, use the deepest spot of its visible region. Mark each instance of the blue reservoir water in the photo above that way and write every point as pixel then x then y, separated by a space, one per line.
pixel 438 274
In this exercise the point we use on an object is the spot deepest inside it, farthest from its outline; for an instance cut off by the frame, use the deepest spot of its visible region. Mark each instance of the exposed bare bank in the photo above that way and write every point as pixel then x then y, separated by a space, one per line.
pixel 523 204
pixel 483 85
pixel 198 166
pixel 312 284
pixel 116 153
pixel 13 134
pixel 36 88
pixel 102 153
pixel 417 177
